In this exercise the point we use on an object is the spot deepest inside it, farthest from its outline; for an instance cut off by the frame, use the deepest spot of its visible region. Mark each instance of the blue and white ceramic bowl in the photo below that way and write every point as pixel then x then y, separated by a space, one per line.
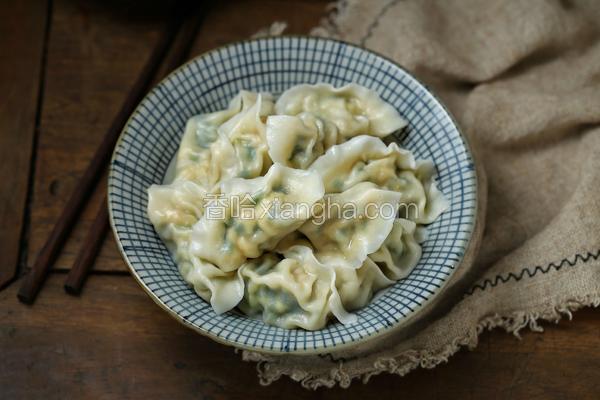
pixel 151 138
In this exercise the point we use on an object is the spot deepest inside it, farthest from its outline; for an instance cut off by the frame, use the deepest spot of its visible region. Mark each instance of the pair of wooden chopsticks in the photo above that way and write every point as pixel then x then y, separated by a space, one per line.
pixel 171 50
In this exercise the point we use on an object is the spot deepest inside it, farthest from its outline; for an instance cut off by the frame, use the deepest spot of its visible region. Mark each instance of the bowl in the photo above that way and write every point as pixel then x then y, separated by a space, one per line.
pixel 151 138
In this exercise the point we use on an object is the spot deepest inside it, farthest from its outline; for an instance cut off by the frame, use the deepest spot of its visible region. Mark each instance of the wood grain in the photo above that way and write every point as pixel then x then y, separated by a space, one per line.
pixel 94 170
pixel 22 34
pixel 234 20
pixel 187 26
pixel 114 342
pixel 94 54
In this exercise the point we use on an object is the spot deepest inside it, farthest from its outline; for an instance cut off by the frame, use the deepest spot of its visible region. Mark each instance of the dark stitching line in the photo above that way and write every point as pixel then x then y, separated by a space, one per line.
pixel 499 279
pixel 375 22
pixel 490 283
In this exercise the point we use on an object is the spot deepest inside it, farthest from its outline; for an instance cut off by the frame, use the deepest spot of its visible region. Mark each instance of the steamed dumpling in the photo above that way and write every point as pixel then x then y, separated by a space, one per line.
pixel 363 159
pixel 223 290
pixel 173 210
pixel 256 225
pixel 204 156
pixel 353 109
pixel 227 143
pixel 356 287
pixel 246 133
pixel 435 203
pixel 296 291
pixel 368 159
pixel 295 141
pixel 352 224
pixel 179 204
pixel 400 252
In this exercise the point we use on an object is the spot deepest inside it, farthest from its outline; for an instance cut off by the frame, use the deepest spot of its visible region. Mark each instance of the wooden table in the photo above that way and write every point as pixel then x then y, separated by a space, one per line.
pixel 66 67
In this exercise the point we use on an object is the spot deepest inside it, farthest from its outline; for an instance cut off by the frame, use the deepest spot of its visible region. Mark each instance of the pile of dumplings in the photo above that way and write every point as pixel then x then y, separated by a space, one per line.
pixel 316 145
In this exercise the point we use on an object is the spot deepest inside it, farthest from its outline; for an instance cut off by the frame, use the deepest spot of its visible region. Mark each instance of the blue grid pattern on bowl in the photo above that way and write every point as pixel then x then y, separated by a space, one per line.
pixel 206 84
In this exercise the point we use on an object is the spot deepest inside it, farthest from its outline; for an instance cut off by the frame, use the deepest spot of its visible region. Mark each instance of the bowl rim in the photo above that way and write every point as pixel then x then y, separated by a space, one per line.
pixel 315 350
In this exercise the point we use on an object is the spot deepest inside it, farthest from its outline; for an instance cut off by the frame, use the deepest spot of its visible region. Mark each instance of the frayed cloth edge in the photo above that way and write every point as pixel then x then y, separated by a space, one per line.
pixel 409 360
pixel 329 25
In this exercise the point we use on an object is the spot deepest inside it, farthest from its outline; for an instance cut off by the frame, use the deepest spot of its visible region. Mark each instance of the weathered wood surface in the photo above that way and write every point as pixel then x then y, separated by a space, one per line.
pixel 114 342
pixel 22 33
pixel 95 52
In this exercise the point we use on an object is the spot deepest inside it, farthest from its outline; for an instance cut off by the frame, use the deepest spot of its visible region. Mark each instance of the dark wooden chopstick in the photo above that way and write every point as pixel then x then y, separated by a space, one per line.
pixel 176 56
pixel 34 280
pixel 86 256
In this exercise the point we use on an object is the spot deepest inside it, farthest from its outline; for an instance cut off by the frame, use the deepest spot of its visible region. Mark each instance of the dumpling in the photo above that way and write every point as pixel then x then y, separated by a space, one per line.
pixel 295 141
pixel 351 225
pixel 296 291
pixel 353 109
pixel 173 210
pixel 421 201
pixel 246 133
pixel 195 160
pixel 435 203
pixel 179 204
pixel 258 213
pixel 363 159
pixel 227 143
pixel 357 286
pixel 224 290
pixel 367 159
pixel 204 156
pixel 400 251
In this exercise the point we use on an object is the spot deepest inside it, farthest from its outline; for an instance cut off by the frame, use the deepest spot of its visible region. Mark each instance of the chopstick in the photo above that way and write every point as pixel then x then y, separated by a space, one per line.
pixel 89 250
pixel 37 276
pixel 91 246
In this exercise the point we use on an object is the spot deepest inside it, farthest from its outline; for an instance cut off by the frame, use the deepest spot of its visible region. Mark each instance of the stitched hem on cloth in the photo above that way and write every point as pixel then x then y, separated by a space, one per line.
pixel 405 362
pixel 516 277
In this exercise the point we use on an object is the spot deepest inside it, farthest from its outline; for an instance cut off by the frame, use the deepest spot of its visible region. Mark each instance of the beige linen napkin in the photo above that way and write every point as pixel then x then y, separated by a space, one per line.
pixel 523 80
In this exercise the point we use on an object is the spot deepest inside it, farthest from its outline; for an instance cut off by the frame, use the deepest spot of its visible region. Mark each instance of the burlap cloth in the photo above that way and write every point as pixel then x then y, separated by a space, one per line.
pixel 523 80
